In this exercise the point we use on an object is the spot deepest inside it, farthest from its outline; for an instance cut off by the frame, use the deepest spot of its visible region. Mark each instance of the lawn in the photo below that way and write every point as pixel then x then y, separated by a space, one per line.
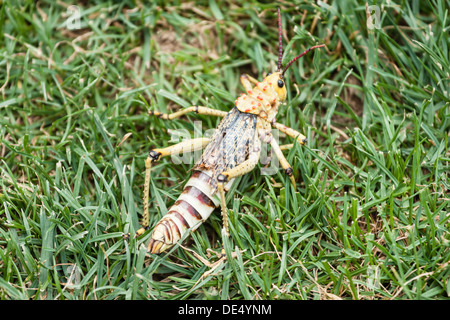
pixel 370 218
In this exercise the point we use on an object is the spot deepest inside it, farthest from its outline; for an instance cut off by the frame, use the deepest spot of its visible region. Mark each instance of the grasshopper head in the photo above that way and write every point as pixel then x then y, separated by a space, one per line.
pixel 276 81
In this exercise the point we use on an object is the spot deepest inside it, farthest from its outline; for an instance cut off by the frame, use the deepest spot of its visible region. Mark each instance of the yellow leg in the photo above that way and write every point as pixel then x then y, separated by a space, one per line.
pixel 185 146
pixel 247 81
pixel 145 216
pixel 156 154
pixel 223 207
pixel 287 146
pixel 196 109
pixel 237 171
pixel 284 163
pixel 188 145
pixel 290 132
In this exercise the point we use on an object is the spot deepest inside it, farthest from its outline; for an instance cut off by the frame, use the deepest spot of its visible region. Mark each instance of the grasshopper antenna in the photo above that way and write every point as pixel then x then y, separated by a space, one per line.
pixel 280 42
pixel 301 55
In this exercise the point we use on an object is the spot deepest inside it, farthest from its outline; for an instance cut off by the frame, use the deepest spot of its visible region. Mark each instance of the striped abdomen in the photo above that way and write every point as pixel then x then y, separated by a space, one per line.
pixel 194 206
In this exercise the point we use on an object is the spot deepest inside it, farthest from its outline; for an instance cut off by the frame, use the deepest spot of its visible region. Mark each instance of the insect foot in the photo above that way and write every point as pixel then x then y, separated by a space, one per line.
pixel 222 178
pixel 154 155
pixel 289 171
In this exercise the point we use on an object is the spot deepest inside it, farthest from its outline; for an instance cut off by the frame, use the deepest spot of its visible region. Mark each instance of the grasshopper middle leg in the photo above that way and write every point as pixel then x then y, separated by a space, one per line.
pixel 290 132
pixel 197 109
pixel 237 171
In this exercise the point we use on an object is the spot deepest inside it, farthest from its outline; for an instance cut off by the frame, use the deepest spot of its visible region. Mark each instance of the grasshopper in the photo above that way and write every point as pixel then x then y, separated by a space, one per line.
pixel 232 151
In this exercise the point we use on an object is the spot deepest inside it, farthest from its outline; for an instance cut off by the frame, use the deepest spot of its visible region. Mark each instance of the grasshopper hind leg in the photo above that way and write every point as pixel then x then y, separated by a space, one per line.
pixel 222 179
pixel 155 155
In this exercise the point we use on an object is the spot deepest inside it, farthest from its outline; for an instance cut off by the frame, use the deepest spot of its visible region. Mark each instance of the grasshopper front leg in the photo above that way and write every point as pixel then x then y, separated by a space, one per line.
pixel 247 82
pixel 278 149
pixel 284 163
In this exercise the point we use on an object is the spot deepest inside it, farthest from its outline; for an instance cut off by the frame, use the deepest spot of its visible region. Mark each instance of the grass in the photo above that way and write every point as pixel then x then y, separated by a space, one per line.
pixel 370 217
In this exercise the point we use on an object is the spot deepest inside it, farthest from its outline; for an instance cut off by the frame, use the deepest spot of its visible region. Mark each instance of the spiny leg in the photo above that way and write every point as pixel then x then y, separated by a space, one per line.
pixel 284 163
pixel 226 176
pixel 155 155
pixel 278 149
pixel 290 132
pixel 196 109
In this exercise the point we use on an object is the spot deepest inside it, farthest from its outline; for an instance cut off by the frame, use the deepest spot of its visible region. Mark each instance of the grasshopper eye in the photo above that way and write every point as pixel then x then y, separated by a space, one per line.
pixel 280 83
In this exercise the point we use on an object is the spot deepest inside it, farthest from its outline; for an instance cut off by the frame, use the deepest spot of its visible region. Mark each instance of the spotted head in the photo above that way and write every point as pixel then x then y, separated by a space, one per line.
pixel 276 82
pixel 265 98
